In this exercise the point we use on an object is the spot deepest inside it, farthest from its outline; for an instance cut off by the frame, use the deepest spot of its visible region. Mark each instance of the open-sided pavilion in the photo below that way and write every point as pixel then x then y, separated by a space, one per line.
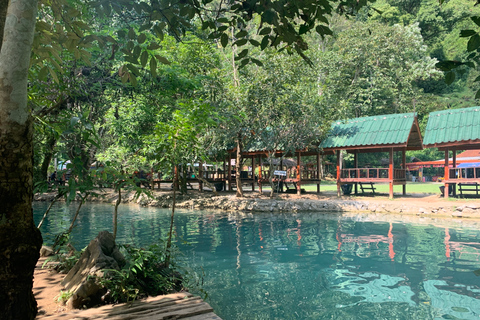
pixel 453 130
pixel 383 133
pixel 295 173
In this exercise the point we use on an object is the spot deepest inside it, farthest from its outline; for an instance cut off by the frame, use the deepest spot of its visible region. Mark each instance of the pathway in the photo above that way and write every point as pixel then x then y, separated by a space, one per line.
pixel 173 306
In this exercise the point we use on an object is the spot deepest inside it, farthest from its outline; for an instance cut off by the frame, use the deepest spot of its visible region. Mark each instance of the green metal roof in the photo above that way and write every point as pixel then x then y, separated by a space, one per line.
pixel 452 126
pixel 383 130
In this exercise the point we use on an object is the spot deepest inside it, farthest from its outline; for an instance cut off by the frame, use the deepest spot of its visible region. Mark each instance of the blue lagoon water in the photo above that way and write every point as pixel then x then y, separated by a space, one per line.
pixel 306 266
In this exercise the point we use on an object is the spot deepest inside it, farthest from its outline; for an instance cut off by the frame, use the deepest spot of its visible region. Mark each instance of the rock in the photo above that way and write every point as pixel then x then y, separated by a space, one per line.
pixel 46 251
pixel 102 253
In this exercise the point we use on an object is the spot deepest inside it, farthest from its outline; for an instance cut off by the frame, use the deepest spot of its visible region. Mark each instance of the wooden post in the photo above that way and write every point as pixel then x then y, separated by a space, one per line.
pixel 260 173
pixel 253 173
pixel 404 166
pixel 390 174
pixel 224 177
pixel 454 166
pixel 318 172
pixel 229 176
pixel 446 175
pixel 200 175
pixel 357 172
pixel 299 174
pixel 339 168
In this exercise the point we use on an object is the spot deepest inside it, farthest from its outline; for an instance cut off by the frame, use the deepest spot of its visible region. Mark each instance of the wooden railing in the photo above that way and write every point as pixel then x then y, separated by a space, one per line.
pixel 372 173
pixel 464 173
pixel 308 174
pixel 399 174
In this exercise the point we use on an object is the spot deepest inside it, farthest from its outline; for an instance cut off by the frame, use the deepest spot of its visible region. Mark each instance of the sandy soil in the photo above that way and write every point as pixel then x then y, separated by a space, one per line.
pixel 46 288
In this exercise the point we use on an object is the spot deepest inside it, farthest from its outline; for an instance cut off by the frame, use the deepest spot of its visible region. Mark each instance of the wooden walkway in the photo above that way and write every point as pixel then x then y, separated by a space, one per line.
pixel 173 306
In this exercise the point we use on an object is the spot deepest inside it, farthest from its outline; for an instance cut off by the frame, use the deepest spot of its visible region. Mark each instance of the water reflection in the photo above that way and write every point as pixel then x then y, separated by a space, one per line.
pixel 308 266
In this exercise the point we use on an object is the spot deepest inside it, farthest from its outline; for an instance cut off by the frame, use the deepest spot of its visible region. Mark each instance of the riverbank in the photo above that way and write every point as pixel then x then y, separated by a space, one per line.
pixel 432 205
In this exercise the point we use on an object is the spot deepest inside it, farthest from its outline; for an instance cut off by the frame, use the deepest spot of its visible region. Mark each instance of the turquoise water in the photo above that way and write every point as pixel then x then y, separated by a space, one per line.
pixel 307 266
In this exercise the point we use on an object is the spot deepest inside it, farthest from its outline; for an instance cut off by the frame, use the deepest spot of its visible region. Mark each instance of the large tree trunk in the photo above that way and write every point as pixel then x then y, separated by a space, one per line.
pixel 20 240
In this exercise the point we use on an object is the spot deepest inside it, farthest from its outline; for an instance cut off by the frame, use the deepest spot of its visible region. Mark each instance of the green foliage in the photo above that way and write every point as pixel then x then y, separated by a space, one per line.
pixel 144 274
pixel 373 69
pixel 65 256
pixel 64 296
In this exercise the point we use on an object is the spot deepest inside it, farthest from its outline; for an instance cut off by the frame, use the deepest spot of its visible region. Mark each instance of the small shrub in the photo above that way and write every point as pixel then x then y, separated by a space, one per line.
pixel 64 296
pixel 143 275
pixel 65 254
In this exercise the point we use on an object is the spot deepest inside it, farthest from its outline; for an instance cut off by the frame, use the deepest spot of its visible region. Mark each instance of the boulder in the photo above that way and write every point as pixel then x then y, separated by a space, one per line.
pixel 102 253
pixel 46 251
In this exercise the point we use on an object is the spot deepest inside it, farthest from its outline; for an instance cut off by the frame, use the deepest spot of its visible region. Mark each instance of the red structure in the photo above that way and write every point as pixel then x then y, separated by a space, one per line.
pixel 454 130
pixel 384 133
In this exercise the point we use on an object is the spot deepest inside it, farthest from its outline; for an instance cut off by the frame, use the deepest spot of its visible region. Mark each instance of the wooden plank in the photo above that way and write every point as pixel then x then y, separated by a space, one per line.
pixel 174 306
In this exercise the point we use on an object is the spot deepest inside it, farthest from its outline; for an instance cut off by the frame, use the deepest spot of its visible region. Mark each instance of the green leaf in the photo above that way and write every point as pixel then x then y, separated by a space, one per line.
pixel 125 77
pixel 265 31
pixel 257 62
pixel 244 62
pixel 134 69
pixel 159 32
pixel 449 77
pixel 476 19
pixel 184 10
pixel 242 54
pixel 131 34
pixel 448 65
pixel 136 52
pixel 54 75
pixel 153 46
pixel 473 43
pixel 42 74
pixel 268 16
pixel 240 42
pixel 470 64
pixel 241 34
pixel 162 59
pixel 121 34
pixel 145 27
pixel 130 59
pixel 467 33
pixel 74 121
pixel 141 38
pixel 224 39
pixel 323 30
pixel 153 66
pixel 254 43
pixel 265 42
pixel 144 58
pixel 133 80
pixel 477 95
pixel 303 29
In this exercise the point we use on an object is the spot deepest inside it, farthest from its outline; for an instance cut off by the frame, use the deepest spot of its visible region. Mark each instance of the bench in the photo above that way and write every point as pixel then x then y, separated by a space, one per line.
pixel 472 187
pixel 367 186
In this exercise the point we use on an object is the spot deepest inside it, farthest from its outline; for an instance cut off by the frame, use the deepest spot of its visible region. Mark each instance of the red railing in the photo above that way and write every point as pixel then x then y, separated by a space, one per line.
pixel 372 173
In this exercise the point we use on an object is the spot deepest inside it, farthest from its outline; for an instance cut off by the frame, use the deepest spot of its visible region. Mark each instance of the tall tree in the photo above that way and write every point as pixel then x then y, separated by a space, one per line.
pixel 282 25
pixel 20 240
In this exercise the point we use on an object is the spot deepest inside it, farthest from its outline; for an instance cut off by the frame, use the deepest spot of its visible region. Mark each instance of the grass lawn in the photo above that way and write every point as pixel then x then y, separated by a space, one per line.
pixel 412 187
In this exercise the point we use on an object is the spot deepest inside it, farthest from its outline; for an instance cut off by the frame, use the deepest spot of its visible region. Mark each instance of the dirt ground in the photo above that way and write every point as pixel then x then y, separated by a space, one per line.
pixel 46 288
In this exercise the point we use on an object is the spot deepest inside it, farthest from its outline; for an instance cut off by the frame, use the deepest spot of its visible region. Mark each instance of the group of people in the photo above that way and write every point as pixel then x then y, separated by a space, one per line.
pixel 58 179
